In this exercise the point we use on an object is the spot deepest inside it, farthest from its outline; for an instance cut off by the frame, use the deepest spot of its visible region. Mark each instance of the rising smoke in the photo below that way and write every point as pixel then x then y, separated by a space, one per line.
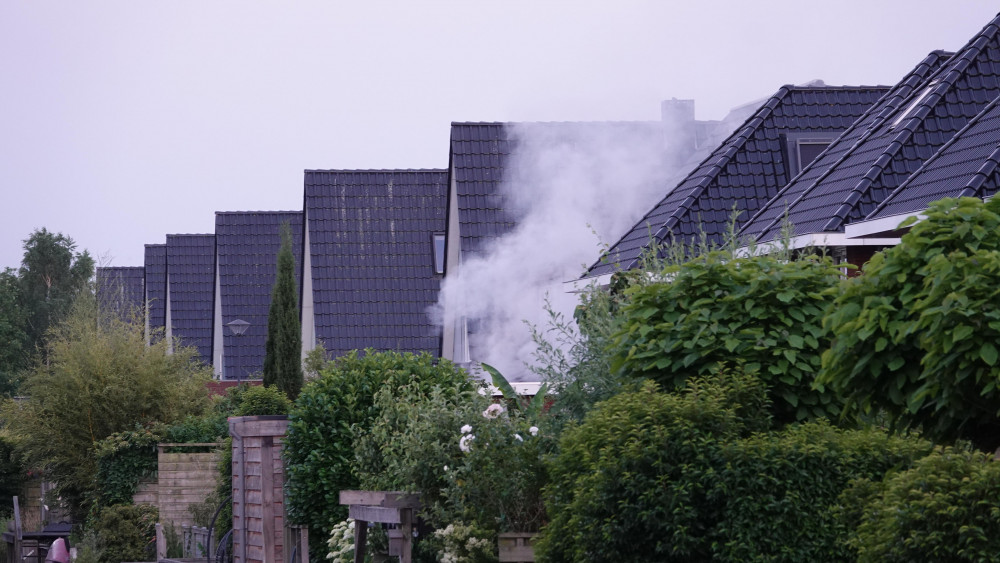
pixel 572 187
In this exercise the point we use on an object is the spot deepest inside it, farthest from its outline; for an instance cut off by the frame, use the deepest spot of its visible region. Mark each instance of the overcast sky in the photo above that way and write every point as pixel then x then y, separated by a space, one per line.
pixel 122 121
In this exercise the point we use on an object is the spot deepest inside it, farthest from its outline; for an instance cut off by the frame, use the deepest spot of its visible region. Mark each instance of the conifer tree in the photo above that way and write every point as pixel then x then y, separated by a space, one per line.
pixel 282 359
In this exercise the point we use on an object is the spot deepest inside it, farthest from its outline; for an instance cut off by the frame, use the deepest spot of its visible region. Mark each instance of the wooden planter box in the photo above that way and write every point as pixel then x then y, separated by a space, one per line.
pixel 516 547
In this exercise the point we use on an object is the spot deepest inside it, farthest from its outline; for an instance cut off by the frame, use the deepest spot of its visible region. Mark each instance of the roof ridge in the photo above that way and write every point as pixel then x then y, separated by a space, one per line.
pixel 940 82
pixel 735 141
pixel 973 188
pixel 934 157
pixel 257 211
pixel 804 87
pixel 190 234
pixel 722 154
pixel 371 170
pixel 893 98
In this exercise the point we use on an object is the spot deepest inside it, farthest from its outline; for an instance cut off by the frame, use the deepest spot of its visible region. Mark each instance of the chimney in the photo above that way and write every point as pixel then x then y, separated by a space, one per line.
pixel 680 127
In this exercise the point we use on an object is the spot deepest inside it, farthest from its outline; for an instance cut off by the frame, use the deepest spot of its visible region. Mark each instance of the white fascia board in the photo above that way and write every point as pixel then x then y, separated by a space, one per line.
pixel 885 224
pixel 821 240
pixel 583 284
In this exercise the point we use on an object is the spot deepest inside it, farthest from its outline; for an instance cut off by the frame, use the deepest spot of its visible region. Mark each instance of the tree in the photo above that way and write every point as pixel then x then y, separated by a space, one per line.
pixel 100 378
pixel 765 311
pixel 14 348
pixel 283 353
pixel 52 274
pixel 917 335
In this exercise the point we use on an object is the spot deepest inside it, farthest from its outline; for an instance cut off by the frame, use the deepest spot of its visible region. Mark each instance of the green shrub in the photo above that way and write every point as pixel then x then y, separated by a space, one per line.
pixel 945 508
pixel 326 418
pixel 764 310
pixel 916 336
pixel 635 481
pixel 259 400
pixel 207 428
pixel 126 532
pixel 123 459
pixel 779 490
pixel 12 474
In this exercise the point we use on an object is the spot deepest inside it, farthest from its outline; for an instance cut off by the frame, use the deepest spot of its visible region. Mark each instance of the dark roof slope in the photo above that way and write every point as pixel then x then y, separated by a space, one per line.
pixel 479 155
pixel 191 280
pixel 968 165
pixel 247 243
pixel 121 291
pixel 155 260
pixel 890 142
pixel 372 257
pixel 745 171
pixel 482 160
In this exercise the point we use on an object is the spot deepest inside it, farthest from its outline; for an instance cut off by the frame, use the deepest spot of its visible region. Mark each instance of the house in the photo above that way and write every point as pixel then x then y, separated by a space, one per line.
pixel 246 250
pixel 374 259
pixel 190 281
pixel 780 138
pixel 883 149
pixel 121 290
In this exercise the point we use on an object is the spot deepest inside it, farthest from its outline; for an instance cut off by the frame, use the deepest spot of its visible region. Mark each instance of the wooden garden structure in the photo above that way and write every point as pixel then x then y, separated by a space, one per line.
pixel 383 507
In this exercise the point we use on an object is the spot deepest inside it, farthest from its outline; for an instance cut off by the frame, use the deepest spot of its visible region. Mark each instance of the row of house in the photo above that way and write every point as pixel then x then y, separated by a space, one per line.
pixel 844 164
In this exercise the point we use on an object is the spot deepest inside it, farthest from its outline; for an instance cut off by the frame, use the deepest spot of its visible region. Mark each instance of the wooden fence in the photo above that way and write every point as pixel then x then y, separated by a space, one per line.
pixel 258 479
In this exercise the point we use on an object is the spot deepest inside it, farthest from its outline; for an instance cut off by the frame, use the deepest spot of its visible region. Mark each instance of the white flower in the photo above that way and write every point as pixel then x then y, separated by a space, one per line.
pixel 465 441
pixel 493 411
pixel 466 429
pixel 533 431
pixel 518 437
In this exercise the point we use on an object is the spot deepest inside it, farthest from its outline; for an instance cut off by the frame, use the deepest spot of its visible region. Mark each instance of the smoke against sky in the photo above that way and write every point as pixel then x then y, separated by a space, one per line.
pixel 573 186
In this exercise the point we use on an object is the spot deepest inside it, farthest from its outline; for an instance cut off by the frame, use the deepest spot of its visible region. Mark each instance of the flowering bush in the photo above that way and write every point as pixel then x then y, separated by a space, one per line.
pixel 464 544
pixel 341 542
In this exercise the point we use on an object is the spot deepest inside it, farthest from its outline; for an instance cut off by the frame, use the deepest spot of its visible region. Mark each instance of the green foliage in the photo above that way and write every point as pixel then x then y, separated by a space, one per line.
pixel 15 353
pixel 468 544
pixel 779 490
pixel 943 509
pixel 634 481
pixel 917 335
pixel 11 473
pixel 326 420
pixel 283 353
pixel 202 429
pixel 341 542
pixel 51 276
pixel 224 489
pixel 124 458
pixel 88 549
pixel 126 532
pixel 763 310
pixel 263 400
pixel 99 379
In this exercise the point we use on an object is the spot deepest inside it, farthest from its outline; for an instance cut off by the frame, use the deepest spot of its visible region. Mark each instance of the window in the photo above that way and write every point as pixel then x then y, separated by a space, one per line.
pixel 913 105
pixel 801 148
pixel 438 253
pixel 809 150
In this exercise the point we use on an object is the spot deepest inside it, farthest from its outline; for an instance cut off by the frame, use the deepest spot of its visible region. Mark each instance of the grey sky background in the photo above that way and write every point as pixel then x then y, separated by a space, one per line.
pixel 122 121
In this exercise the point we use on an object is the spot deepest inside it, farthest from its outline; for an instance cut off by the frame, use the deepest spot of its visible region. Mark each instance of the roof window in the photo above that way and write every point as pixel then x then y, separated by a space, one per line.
pixel 908 111
pixel 438 253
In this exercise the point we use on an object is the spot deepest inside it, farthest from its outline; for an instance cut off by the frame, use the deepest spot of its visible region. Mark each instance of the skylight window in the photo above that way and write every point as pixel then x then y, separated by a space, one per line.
pixel 913 105
pixel 438 253
pixel 809 150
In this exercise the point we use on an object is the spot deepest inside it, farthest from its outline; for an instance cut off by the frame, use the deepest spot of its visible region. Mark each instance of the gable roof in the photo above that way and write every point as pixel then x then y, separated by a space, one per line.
pixel 481 161
pixel 247 244
pixel 155 260
pixel 372 257
pixel 121 291
pixel 967 166
pixel 889 143
pixel 191 287
pixel 478 159
pixel 745 171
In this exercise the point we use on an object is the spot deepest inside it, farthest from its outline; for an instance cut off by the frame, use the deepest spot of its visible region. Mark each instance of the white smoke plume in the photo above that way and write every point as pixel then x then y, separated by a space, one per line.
pixel 572 186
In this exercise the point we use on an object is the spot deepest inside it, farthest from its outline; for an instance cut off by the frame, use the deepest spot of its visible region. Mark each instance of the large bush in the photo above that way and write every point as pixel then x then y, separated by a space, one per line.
pixel 126 532
pixel 123 459
pixel 945 508
pixel 763 310
pixel 325 421
pixel 635 481
pixel 779 490
pixel 99 378
pixel 917 335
